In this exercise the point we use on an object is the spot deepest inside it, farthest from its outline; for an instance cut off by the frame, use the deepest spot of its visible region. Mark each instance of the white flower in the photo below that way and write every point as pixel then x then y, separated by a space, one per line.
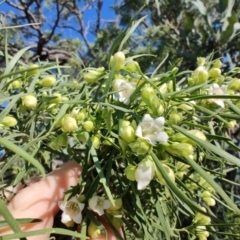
pixel 152 129
pixel 124 90
pixel 72 210
pixel 144 173
pixel 99 204
pixel 215 89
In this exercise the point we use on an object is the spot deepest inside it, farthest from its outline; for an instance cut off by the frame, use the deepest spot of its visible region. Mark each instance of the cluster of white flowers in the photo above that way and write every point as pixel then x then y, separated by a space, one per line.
pixel 72 209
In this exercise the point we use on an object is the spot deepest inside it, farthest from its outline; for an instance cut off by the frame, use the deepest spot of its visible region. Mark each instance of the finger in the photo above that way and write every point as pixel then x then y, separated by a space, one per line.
pixel 40 200
pixel 11 191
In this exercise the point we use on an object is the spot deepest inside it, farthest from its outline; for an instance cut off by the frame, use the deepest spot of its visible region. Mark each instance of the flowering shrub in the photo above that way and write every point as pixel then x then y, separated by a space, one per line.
pixel 153 147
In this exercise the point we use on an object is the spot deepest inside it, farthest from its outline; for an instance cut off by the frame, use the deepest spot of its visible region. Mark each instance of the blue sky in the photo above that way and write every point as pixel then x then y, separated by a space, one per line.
pixel 107 14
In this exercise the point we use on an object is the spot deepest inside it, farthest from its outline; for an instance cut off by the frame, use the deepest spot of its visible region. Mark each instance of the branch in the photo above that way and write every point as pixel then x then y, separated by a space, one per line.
pixel 78 15
pixel 99 8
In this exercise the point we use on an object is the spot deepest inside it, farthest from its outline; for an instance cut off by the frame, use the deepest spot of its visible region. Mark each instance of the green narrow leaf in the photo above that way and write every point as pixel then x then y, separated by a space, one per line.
pixel 20 152
pixel 10 106
pixel 192 204
pixel 207 145
pixel 59 231
pixel 210 180
pixel 20 221
pixel 222 5
pixel 14 60
pixel 233 107
pixel 6 214
pixel 98 168
pixel 165 224
pixel 161 63
pixel 200 6
pixel 129 32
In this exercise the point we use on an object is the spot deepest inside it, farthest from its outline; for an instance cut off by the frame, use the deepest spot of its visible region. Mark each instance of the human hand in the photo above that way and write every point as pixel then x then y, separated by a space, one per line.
pixel 40 200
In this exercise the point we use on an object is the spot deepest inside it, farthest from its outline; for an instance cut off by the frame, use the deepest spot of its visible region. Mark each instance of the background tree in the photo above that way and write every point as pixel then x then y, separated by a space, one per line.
pixel 193 28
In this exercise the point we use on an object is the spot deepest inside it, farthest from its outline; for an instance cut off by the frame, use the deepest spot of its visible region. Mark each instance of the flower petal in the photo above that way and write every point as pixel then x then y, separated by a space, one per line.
pixel 81 206
pixel 143 175
pixel 147 118
pixel 219 102
pixel 99 210
pixel 138 132
pixel 93 202
pixel 107 204
pixel 77 218
pixel 118 84
pixel 152 138
pixel 65 218
pixel 159 121
pixel 162 137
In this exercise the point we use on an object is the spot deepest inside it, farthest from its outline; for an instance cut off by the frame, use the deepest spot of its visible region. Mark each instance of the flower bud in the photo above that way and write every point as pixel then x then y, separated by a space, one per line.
pixel 81 137
pixel 234 85
pixel 170 86
pixel 127 133
pixel 130 172
pixel 180 149
pixel 175 117
pixel 179 137
pixel 231 124
pixel 74 112
pixel 29 101
pixel 197 134
pixel 147 92
pixel 217 64
pixel 9 121
pixel 169 172
pixel 81 115
pixel 88 125
pixel 95 141
pixel 201 233
pixel 55 110
pixel 92 76
pixel 214 72
pixel 62 140
pixel 140 147
pixel 69 124
pixel 132 66
pixel 206 194
pixel 187 107
pixel 57 99
pixel 64 99
pixel 163 88
pixel 117 204
pixel 155 105
pixel 174 70
pixel 209 201
pixel 201 219
pixel 190 81
pixel 201 61
pixel 108 141
pixel 200 75
pixel 182 166
pixel 118 60
pixel 16 84
pixel 93 230
pixel 32 69
pixel 48 81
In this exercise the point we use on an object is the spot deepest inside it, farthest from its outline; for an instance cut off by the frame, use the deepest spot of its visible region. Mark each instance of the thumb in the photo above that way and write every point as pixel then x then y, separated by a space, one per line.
pixel 40 200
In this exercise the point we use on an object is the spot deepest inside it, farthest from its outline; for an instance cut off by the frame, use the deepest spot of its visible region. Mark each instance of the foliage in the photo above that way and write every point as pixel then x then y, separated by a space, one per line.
pixel 151 145
pixel 61 29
